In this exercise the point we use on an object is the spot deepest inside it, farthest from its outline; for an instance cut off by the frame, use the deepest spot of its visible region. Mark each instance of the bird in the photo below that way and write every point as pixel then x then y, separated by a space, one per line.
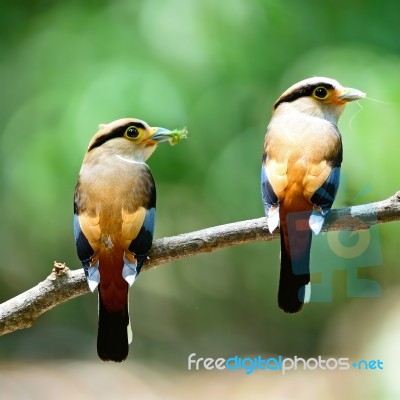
pixel 300 175
pixel 114 215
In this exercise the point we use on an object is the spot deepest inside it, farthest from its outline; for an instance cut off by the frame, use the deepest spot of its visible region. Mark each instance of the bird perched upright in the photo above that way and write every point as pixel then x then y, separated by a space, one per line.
pixel 300 175
pixel 114 212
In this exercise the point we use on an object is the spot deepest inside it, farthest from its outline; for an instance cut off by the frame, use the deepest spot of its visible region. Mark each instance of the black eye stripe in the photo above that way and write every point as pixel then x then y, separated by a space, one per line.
pixel 105 138
pixel 303 91
pixel 117 132
pixel 137 125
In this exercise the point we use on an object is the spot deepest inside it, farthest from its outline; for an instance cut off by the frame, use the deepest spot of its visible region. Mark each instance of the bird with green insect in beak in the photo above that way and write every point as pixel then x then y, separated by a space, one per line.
pixel 300 175
pixel 114 214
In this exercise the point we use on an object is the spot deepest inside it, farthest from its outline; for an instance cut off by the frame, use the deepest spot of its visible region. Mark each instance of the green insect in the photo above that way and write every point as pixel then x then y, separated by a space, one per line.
pixel 177 135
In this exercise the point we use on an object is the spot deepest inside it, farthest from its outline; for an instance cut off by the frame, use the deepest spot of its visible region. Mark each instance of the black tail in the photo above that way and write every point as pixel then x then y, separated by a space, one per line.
pixel 112 335
pixel 295 265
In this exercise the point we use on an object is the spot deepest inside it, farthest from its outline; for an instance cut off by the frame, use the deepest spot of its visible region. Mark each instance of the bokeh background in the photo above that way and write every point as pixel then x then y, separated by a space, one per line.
pixel 215 67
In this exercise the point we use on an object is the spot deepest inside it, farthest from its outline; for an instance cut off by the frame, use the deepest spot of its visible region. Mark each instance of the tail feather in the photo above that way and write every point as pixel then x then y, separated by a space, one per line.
pixel 295 262
pixel 112 336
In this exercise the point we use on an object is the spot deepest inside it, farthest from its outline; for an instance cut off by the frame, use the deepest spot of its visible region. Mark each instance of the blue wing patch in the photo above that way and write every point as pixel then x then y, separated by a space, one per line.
pixel 141 245
pixel 271 202
pixel 325 195
pixel 269 197
pixel 323 199
pixel 84 250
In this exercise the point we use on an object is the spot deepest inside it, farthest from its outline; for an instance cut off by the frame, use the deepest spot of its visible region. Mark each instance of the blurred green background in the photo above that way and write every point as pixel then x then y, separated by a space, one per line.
pixel 216 68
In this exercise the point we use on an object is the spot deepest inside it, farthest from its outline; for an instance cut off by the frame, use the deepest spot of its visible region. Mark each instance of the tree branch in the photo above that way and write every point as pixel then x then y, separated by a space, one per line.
pixel 64 284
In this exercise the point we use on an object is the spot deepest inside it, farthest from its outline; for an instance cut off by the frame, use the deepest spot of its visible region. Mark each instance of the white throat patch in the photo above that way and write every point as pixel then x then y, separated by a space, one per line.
pixel 130 160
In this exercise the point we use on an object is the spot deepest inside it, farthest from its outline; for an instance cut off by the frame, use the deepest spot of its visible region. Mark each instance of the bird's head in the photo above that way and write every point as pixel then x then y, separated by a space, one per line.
pixel 320 97
pixel 130 138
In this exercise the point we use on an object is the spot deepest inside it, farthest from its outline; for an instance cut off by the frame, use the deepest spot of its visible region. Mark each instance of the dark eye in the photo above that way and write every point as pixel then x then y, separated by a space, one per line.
pixel 320 93
pixel 132 132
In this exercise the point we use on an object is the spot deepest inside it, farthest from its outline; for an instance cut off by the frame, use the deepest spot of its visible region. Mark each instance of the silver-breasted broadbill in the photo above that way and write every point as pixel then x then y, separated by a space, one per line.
pixel 300 175
pixel 114 213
